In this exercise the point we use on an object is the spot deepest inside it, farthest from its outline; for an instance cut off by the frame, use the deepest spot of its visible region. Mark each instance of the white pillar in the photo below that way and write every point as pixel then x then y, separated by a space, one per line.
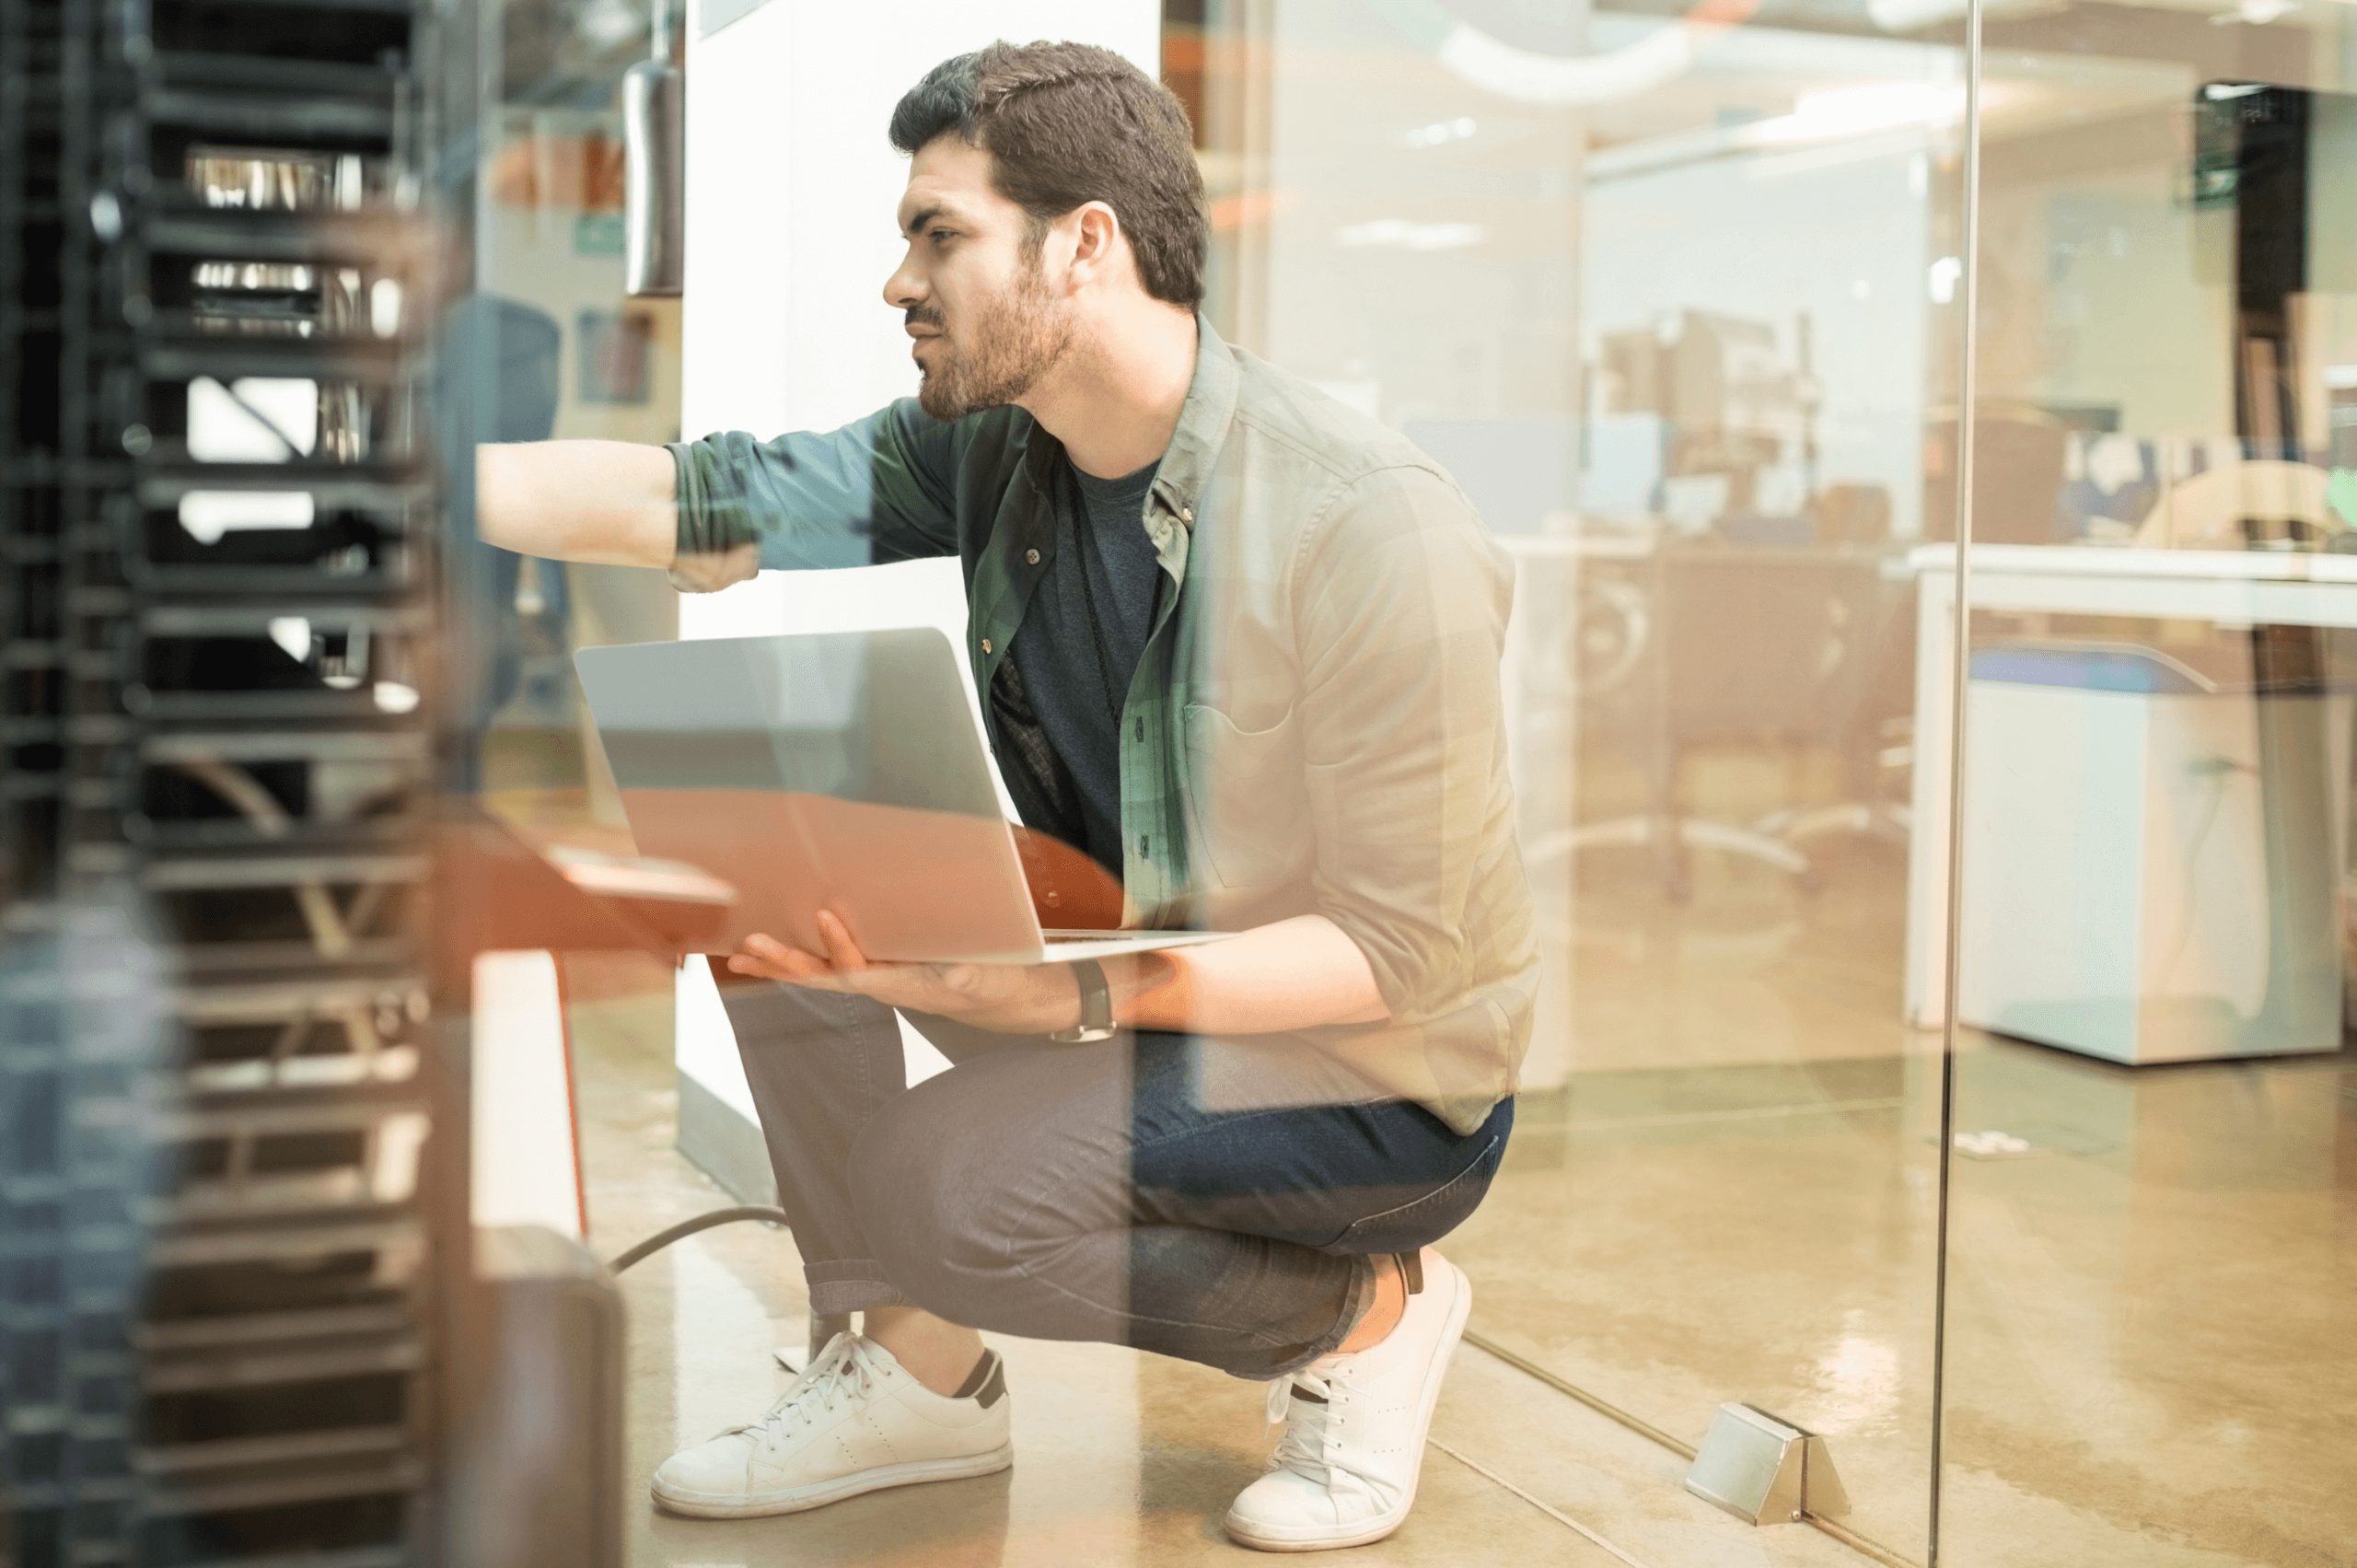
pixel 792 188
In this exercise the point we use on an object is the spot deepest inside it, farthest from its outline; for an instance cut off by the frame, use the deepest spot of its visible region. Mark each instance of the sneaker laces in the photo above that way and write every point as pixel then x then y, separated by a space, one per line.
pixel 847 1365
pixel 1311 1425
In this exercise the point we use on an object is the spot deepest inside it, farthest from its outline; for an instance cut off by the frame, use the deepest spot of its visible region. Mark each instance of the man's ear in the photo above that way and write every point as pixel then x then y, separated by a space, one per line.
pixel 1096 241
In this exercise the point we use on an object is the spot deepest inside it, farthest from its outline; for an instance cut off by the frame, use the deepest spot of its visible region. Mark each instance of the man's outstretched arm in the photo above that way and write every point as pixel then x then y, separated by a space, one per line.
pixel 612 503
pixel 875 489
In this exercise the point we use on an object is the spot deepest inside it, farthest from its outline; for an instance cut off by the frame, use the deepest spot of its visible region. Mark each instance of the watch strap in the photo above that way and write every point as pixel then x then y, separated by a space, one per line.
pixel 1095 1003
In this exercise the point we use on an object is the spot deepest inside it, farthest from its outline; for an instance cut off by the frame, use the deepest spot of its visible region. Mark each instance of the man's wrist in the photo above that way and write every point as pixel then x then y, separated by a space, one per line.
pixel 1149 992
pixel 1049 1001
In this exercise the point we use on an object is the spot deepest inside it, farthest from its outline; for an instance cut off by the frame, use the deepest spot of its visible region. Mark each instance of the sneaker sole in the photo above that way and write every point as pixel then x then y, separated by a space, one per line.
pixel 796 1500
pixel 1366 1534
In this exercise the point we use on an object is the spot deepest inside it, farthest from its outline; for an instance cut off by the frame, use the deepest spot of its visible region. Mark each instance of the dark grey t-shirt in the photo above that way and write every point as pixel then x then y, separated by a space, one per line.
pixel 1076 664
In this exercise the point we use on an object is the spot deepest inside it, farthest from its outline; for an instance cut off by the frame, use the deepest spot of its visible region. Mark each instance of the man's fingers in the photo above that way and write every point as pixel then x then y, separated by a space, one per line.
pixel 840 947
pixel 845 969
pixel 808 972
pixel 779 961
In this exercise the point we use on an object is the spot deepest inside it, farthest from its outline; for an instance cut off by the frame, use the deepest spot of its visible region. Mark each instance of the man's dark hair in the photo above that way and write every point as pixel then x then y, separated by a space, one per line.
pixel 1068 124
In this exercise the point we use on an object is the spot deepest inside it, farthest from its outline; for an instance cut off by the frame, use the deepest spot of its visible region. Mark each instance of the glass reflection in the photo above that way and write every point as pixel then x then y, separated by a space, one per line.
pixel 1675 298
pixel 2146 1314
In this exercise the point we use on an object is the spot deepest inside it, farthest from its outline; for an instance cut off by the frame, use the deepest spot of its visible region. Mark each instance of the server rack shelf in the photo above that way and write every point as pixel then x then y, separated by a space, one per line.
pixel 216 515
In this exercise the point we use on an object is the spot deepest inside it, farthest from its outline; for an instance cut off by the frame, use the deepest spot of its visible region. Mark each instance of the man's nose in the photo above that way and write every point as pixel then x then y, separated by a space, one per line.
pixel 901 290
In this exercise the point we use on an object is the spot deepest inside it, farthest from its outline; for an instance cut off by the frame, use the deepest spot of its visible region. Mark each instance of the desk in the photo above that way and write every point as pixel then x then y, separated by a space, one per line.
pixel 2231 588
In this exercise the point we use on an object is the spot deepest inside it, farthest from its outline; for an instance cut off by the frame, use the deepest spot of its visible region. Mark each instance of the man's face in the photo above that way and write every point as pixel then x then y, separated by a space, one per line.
pixel 986 321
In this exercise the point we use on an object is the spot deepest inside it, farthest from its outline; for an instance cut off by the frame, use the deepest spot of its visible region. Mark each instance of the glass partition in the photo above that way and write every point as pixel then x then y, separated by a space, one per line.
pixel 565 348
pixel 2149 1356
pixel 1676 296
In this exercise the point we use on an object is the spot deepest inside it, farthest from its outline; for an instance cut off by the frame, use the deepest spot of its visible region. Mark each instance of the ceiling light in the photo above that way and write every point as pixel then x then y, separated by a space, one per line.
pixel 1659 58
pixel 1402 234
pixel 1842 112
pixel 1439 132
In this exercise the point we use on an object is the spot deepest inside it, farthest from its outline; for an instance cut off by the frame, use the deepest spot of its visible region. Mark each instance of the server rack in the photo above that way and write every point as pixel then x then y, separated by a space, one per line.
pixel 218 1231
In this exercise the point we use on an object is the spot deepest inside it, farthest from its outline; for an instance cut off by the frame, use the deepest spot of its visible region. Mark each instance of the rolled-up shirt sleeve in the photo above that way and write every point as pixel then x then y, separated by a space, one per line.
pixel 1401 602
pixel 881 488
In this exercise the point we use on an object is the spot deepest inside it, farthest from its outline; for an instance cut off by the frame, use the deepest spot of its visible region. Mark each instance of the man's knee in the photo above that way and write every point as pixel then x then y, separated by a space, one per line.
pixel 965 1199
pixel 920 1180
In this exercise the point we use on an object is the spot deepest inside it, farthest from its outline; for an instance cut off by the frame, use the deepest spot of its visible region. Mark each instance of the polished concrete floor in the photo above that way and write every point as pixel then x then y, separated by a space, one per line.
pixel 2150 1341
pixel 2152 1324
pixel 1123 1459
pixel 1735 1196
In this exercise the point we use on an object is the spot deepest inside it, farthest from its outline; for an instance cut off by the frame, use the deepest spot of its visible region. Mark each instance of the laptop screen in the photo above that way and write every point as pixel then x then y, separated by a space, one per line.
pixel 874 716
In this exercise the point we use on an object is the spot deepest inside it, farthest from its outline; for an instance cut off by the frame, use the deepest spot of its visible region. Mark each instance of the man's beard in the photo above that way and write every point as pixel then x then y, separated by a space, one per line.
pixel 1012 343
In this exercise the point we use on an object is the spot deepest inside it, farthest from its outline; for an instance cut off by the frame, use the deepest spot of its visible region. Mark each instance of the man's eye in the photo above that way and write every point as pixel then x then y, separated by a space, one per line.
pixel 940 235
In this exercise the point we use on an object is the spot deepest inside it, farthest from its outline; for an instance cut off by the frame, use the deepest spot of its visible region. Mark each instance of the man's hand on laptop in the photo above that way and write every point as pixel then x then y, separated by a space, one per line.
pixel 1013 999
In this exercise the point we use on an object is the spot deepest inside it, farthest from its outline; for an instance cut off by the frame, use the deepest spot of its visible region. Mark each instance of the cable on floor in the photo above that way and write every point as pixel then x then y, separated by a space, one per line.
pixel 663 1239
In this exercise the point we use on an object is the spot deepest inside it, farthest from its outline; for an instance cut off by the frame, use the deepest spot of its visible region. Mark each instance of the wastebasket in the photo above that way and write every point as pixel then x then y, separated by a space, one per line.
pixel 2148 853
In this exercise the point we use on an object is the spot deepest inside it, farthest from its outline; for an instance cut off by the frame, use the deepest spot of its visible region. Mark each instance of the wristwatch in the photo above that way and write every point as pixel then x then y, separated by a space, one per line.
pixel 1096 1005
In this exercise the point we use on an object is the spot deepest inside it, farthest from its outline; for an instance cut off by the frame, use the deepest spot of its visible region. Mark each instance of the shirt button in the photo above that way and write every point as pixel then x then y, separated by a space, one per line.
pixel 1032 556
pixel 986 645
pixel 1186 514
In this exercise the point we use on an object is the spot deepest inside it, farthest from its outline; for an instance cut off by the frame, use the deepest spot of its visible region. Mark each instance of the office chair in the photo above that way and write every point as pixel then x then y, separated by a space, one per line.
pixel 2020 458
pixel 1869 693
pixel 1744 644
pixel 2234 506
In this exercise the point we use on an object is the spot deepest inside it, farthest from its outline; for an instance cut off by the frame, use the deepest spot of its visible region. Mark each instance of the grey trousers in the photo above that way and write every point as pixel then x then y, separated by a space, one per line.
pixel 1211 1199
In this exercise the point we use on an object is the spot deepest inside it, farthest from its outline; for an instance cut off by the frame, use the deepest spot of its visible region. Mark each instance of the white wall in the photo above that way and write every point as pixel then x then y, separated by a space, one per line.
pixel 792 186
pixel 2103 287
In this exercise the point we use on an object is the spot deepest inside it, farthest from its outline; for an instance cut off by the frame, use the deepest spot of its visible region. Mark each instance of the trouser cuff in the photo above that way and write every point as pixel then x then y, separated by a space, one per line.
pixel 1356 1300
pixel 849 1285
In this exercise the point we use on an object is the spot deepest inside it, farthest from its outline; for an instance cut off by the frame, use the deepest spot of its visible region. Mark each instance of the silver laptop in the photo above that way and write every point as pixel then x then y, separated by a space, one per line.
pixel 842 770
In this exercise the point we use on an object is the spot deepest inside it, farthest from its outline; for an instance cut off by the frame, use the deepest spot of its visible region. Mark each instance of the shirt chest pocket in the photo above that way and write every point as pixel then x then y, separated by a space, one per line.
pixel 1246 797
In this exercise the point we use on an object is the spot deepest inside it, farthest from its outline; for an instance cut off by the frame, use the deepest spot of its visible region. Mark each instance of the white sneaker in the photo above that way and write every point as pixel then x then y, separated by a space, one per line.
pixel 852 1422
pixel 1344 1472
